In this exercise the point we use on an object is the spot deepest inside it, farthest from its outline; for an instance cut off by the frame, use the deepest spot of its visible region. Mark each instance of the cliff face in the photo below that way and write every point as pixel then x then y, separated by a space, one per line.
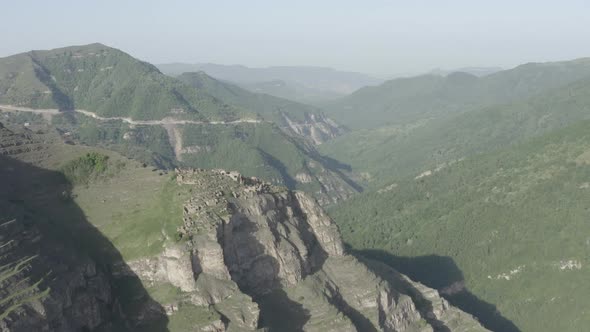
pixel 317 128
pixel 268 252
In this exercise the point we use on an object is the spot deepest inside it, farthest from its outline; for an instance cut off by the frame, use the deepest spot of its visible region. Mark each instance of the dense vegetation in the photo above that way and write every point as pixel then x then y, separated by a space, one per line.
pixel 263 104
pixel 256 150
pixel 389 153
pixel 477 182
pixel 514 221
pixel 86 168
pixel 103 80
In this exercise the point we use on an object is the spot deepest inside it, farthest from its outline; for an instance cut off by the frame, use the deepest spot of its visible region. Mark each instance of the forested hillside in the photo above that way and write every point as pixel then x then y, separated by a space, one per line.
pixel 406 101
pixel 391 152
pixel 513 221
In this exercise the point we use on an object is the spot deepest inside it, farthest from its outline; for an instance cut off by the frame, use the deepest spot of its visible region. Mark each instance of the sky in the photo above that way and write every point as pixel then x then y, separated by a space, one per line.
pixel 383 38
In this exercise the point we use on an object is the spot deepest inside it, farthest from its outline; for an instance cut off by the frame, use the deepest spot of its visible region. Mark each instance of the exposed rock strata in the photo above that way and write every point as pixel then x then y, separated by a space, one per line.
pixel 244 238
pixel 315 127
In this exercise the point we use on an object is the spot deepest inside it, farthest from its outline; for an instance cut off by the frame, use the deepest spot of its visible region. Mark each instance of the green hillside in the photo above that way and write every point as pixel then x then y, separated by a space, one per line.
pixel 264 104
pixel 104 80
pixel 393 152
pixel 405 101
pixel 514 221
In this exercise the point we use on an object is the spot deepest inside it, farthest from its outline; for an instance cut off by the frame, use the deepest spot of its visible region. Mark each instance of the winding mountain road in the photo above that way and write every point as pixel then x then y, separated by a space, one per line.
pixel 164 121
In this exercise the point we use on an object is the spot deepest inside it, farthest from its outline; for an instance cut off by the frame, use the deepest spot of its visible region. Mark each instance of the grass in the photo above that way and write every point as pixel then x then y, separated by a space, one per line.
pixel 164 292
pixel 189 317
pixel 137 210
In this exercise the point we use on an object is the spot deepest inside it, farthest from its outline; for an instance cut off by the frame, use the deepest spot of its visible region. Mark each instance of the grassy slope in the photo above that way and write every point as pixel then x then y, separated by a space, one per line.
pixel 130 211
pixel 522 209
pixel 125 195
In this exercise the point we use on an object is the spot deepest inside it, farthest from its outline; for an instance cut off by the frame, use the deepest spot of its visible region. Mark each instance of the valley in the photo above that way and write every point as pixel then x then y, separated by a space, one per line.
pixel 194 199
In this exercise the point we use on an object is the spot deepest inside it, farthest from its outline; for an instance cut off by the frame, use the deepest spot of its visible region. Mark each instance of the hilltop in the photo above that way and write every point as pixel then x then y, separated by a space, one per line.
pixel 103 80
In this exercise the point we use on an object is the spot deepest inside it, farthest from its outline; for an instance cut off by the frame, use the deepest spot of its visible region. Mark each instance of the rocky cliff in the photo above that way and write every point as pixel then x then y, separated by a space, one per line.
pixel 265 257
pixel 315 127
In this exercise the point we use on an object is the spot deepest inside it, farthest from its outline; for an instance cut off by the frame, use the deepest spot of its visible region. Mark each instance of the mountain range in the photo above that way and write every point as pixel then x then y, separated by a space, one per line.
pixel 94 241
pixel 306 84
pixel 186 197
pixel 476 187
pixel 103 96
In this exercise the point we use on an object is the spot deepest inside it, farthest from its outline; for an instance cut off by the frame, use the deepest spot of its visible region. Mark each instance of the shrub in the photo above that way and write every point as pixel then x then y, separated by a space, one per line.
pixel 86 168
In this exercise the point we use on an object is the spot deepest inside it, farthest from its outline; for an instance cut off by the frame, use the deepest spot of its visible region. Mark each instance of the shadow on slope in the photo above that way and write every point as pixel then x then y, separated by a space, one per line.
pixel 279 313
pixel 66 246
pixel 247 239
pixel 62 100
pixel 441 273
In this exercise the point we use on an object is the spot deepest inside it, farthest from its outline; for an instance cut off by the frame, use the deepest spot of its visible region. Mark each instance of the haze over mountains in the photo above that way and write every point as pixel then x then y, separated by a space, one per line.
pixel 473 185
pixel 306 84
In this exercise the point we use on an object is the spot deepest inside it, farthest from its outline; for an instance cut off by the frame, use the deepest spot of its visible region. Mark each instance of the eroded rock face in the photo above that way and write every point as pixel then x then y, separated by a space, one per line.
pixel 173 265
pixel 315 127
pixel 280 245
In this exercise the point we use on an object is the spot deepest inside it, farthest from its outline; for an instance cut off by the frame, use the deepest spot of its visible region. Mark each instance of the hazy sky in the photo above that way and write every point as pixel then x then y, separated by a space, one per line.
pixel 379 37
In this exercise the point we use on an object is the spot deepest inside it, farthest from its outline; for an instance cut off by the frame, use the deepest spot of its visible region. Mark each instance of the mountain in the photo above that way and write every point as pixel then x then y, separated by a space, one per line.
pixel 476 71
pixel 406 101
pixel 101 96
pixel 94 241
pixel 102 80
pixel 291 91
pixel 293 117
pixel 388 153
pixel 298 83
pixel 507 227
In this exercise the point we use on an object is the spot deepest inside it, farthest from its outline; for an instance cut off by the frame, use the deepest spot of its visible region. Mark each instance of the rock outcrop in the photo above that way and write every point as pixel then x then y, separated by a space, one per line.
pixel 315 127
pixel 254 251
